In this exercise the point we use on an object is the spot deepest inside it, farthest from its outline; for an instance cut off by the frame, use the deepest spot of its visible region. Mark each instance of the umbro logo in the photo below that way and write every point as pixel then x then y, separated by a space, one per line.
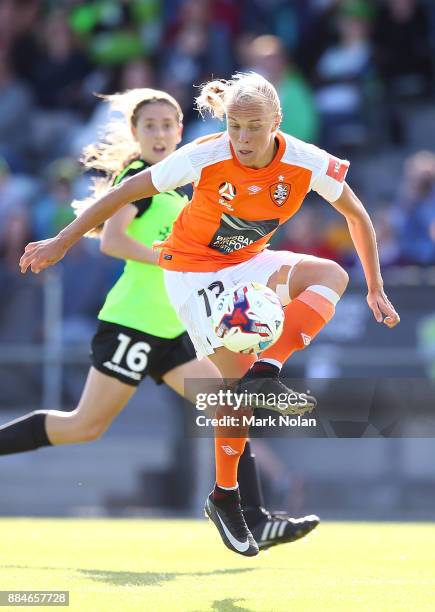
pixel 229 450
pixel 253 189
pixel 306 339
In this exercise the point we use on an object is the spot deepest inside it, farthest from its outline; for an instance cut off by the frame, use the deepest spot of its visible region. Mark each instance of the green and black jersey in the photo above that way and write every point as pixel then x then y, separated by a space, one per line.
pixel 139 299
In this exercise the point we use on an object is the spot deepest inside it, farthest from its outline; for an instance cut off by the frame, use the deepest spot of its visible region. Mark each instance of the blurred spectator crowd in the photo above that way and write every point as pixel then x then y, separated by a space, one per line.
pixel 346 71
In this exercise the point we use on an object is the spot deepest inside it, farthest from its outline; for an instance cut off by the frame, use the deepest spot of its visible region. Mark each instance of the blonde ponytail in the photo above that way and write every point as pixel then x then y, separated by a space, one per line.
pixel 212 99
pixel 215 96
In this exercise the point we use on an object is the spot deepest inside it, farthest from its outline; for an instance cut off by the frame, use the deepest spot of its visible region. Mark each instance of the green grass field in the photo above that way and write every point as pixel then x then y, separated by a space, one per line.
pixel 124 565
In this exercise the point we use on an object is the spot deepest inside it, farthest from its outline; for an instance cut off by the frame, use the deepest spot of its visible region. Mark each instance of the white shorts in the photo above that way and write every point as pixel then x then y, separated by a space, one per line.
pixel 192 294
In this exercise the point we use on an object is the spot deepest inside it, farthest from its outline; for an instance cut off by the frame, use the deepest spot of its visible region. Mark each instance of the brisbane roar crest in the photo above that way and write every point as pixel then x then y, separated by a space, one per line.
pixel 279 192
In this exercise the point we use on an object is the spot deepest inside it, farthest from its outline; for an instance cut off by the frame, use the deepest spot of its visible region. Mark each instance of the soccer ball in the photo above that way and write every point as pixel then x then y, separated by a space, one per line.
pixel 248 318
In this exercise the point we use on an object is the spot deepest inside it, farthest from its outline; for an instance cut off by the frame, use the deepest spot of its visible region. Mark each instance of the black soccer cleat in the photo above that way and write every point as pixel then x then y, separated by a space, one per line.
pixel 262 388
pixel 279 528
pixel 228 517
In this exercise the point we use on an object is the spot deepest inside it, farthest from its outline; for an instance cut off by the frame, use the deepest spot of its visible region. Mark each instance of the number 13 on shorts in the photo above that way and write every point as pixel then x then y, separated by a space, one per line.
pixel 215 289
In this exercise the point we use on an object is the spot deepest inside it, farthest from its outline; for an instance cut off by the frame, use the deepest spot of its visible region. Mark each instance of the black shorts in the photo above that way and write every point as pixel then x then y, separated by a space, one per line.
pixel 129 355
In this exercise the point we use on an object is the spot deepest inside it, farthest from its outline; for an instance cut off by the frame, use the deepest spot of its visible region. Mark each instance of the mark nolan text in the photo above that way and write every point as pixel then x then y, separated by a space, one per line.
pixel 281 420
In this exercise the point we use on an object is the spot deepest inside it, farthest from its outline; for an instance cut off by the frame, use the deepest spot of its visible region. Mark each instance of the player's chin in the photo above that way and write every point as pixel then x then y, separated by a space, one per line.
pixel 154 156
pixel 245 157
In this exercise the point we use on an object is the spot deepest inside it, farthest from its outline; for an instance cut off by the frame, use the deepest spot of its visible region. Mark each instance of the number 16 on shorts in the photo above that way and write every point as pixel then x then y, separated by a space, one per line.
pixel 133 356
pixel 136 355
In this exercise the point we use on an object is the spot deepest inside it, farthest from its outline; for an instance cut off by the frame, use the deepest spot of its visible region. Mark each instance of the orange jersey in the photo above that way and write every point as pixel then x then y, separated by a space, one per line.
pixel 235 210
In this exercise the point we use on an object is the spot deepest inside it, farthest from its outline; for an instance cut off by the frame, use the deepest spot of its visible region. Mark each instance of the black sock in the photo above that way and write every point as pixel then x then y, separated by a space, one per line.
pixel 263 369
pixel 24 434
pixel 249 480
pixel 220 495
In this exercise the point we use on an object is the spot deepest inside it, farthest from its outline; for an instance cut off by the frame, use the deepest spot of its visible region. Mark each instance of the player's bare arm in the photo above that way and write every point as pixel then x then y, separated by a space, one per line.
pixel 117 243
pixel 45 253
pixel 364 238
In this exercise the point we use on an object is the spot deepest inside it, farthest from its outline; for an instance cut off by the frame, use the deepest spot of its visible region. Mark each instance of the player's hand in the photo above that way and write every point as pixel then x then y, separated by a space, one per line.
pixel 42 254
pixel 382 308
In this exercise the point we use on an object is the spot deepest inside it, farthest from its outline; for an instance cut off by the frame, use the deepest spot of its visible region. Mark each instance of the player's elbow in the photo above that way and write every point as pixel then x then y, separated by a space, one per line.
pixel 358 216
pixel 355 211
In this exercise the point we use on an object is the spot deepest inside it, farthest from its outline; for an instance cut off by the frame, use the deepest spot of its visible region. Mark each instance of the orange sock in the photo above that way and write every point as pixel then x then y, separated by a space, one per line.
pixel 228 452
pixel 304 317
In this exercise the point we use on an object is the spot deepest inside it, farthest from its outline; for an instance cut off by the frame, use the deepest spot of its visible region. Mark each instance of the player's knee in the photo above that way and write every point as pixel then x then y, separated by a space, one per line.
pixel 344 279
pixel 338 277
pixel 94 431
pixel 89 431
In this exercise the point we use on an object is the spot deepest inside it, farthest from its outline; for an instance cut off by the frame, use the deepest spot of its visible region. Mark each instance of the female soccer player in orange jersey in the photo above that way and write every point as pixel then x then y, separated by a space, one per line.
pixel 248 181
pixel 139 333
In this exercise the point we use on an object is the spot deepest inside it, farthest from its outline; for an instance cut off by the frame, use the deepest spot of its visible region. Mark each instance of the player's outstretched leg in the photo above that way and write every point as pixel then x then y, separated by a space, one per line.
pixel 102 399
